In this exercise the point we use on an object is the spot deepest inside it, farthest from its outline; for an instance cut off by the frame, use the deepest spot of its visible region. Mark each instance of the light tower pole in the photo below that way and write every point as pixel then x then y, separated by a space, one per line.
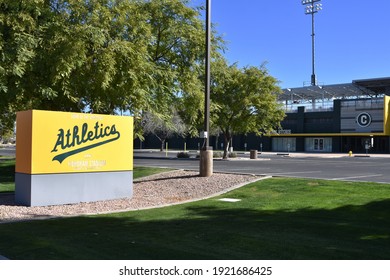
pixel 206 153
pixel 312 7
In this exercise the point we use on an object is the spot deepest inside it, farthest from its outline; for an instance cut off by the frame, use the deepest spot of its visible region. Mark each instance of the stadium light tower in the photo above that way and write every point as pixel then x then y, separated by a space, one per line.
pixel 312 7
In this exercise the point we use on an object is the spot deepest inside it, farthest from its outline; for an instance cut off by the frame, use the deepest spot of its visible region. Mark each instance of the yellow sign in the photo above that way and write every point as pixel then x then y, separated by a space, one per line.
pixel 56 142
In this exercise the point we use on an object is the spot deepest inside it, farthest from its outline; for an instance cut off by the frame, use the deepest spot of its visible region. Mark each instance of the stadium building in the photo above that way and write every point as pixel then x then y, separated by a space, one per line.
pixel 330 118
pixel 336 118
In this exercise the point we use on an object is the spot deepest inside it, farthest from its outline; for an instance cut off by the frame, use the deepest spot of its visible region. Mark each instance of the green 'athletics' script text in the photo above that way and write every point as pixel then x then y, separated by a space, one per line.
pixel 78 137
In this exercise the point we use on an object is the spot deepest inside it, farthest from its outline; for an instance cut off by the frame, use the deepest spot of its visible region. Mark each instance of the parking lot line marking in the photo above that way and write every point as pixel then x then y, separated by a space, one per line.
pixel 298 172
pixel 357 177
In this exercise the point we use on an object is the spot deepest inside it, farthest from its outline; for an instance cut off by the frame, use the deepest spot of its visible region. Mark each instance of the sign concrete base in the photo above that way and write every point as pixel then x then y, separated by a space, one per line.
pixel 70 188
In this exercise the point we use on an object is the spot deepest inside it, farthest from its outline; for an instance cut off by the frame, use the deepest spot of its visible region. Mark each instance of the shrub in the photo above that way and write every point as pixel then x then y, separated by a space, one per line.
pixel 232 155
pixel 183 155
pixel 217 154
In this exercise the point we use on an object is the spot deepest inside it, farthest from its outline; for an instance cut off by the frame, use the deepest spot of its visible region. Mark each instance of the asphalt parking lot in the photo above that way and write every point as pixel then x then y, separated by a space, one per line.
pixel 7 151
pixel 375 168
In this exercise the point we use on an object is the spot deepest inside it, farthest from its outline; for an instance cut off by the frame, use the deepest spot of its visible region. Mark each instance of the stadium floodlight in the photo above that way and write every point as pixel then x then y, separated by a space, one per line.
pixel 312 7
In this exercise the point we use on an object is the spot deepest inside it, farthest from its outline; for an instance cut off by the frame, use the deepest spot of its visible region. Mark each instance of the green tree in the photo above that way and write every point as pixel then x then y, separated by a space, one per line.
pixel 244 101
pixel 93 56
pixel 176 50
pixel 100 56
pixel 18 41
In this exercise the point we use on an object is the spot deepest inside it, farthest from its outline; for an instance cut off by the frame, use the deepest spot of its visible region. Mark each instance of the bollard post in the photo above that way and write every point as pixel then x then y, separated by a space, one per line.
pixel 206 162
pixel 253 154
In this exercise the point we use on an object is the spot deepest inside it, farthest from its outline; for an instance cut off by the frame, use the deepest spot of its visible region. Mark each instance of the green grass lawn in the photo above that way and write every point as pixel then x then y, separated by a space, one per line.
pixel 141 171
pixel 278 218
pixel 7 175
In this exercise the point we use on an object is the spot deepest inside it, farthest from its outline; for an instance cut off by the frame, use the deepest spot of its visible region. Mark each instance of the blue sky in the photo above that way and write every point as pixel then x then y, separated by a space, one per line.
pixel 352 38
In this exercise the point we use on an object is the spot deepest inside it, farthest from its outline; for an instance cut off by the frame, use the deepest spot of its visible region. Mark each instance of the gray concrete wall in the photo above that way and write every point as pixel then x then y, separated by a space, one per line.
pixel 56 189
pixel 350 110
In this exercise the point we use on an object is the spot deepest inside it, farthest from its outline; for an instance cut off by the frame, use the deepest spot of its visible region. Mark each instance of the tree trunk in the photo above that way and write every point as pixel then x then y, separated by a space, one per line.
pixel 227 139
pixel 162 145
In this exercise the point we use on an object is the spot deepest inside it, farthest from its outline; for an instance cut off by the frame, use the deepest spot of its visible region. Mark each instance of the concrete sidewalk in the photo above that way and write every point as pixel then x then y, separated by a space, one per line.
pixel 330 155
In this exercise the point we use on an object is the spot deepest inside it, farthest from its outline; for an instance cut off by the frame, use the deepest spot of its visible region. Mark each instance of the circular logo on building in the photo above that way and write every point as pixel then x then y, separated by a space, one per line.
pixel 364 119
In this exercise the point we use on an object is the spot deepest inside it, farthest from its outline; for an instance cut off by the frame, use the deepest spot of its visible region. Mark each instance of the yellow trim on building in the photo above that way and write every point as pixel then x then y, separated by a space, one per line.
pixel 386 120
pixel 326 134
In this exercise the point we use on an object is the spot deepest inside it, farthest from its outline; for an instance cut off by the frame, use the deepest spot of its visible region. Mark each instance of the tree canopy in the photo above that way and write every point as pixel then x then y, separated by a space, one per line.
pixel 100 56
pixel 107 56
pixel 244 101
pixel 163 129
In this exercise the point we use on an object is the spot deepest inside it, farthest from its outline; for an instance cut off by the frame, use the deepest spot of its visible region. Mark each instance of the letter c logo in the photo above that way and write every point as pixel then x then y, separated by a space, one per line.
pixel 364 119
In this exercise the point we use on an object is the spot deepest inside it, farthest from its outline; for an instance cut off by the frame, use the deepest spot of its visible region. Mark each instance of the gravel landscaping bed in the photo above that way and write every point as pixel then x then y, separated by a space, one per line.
pixel 148 192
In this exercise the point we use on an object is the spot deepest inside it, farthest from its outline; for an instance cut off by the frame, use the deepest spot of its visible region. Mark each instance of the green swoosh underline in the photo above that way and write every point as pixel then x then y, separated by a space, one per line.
pixel 61 157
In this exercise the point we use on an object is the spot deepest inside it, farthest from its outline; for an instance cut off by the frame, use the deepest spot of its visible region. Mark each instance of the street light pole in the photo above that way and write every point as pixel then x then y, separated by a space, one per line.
pixel 206 153
pixel 207 73
pixel 311 8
